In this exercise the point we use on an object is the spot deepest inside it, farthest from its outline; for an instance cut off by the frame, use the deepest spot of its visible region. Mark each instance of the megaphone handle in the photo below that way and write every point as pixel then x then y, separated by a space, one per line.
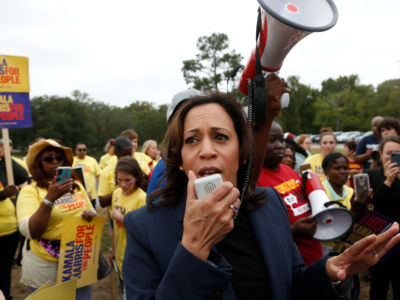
pixel 285 99
pixel 326 204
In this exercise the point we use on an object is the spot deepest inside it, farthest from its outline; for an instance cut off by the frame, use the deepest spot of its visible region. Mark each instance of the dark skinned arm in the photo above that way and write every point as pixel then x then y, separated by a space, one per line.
pixel 275 87
pixel 361 158
pixel 105 200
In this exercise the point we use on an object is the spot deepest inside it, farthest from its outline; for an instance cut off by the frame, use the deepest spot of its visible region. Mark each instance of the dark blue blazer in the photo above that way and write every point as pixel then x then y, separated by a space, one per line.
pixel 157 266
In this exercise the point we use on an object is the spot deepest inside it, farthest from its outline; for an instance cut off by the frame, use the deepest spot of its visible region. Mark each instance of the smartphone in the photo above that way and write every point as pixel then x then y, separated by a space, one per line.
pixel 395 158
pixel 206 185
pixel 361 182
pixel 63 173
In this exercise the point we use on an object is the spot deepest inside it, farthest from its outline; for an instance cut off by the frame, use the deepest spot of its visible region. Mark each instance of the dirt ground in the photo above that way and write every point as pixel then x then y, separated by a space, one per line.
pixel 105 288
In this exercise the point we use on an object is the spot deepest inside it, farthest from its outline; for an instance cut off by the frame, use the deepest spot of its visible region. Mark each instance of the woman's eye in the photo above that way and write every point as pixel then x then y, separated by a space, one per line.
pixel 190 140
pixel 221 137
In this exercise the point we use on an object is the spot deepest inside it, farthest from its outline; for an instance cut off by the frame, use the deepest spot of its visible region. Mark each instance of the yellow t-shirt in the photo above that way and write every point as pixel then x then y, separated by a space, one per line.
pixel 127 203
pixel 91 170
pixel 8 219
pixel 107 178
pixel 316 165
pixel 104 160
pixel 29 200
pixel 143 161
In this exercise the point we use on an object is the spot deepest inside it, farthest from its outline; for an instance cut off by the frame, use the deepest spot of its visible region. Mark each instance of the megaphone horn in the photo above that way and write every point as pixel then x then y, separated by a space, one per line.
pixel 284 24
pixel 332 221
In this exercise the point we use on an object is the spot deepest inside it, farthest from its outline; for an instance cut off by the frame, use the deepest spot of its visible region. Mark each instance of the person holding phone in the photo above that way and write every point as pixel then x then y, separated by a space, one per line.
pixel 41 207
pixel 385 183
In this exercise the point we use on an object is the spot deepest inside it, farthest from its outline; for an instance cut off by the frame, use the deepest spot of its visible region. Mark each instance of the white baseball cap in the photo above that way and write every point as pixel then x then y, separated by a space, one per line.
pixel 178 99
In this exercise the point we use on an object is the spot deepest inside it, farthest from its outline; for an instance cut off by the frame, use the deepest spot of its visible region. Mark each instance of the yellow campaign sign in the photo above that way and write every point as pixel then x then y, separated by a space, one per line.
pixel 79 250
pixel 42 288
pixel 14 74
pixel 61 291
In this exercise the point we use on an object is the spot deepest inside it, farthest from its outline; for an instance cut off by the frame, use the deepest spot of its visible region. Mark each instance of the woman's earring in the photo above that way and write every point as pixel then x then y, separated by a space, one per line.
pixel 181 168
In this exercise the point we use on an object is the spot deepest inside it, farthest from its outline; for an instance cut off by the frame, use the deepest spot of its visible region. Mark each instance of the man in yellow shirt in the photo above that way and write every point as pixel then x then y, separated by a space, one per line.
pixel 91 169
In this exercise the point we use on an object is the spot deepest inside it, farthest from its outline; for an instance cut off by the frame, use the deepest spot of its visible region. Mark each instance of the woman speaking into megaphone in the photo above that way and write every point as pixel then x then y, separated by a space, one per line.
pixel 183 247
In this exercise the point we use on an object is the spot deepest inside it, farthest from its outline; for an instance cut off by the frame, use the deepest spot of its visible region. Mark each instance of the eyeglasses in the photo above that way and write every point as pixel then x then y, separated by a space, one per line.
pixel 81 150
pixel 50 159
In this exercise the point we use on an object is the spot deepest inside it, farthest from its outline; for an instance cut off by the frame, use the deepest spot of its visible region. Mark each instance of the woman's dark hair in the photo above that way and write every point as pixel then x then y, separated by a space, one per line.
pixel 38 173
pixel 392 138
pixel 352 145
pixel 389 123
pixel 296 147
pixel 289 146
pixel 176 179
pixel 130 134
pixel 129 165
pixel 331 158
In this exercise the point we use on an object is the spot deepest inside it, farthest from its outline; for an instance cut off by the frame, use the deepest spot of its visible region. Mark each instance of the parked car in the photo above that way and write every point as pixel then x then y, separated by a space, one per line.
pixel 363 135
pixel 347 136
pixel 315 138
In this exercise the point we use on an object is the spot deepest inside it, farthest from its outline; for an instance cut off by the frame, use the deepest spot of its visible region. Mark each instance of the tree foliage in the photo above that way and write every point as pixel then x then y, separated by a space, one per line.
pixel 299 116
pixel 213 63
pixel 80 119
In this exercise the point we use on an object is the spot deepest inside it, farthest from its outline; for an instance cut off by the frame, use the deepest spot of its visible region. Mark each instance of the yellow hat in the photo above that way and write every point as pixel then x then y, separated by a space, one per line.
pixel 39 146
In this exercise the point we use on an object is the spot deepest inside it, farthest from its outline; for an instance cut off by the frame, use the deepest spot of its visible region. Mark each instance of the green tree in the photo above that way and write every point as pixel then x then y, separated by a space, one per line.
pixel 388 98
pixel 298 117
pixel 213 63
pixel 148 121
pixel 343 104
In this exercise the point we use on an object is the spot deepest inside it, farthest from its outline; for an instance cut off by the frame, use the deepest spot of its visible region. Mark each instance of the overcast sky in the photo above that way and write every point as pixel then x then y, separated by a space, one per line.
pixel 122 51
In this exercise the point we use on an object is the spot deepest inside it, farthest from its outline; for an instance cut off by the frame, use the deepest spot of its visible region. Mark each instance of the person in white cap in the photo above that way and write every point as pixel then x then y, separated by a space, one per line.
pixel 177 100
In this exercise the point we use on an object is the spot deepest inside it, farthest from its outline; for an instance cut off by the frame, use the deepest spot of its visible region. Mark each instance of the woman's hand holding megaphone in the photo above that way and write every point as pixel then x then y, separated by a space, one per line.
pixel 362 255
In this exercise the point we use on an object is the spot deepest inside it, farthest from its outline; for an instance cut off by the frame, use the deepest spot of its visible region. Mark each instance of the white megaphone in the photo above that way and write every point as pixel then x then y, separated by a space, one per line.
pixel 333 218
pixel 284 24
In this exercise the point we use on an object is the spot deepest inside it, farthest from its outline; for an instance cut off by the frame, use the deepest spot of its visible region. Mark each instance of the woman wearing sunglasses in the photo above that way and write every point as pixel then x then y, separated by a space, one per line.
pixel 41 208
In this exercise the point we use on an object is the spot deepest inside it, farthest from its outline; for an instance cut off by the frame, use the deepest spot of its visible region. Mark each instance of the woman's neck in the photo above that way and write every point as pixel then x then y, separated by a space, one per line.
pixel 337 188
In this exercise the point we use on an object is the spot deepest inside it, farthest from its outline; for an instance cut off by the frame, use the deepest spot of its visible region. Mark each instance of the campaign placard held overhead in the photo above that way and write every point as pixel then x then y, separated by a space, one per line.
pixel 15 108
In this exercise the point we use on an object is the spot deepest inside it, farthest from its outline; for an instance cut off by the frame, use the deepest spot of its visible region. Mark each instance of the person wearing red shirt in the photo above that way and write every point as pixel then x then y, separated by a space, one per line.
pixel 288 184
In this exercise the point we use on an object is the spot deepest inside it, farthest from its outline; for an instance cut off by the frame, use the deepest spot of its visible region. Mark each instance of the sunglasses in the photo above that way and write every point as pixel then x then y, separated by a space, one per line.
pixel 81 150
pixel 50 159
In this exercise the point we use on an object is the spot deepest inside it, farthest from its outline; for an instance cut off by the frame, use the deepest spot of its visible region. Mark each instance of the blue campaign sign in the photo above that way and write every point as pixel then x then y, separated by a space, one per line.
pixel 15 110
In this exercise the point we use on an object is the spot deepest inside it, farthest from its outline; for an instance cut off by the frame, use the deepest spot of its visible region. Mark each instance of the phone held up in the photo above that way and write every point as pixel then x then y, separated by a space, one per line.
pixel 361 184
pixel 63 173
pixel 395 158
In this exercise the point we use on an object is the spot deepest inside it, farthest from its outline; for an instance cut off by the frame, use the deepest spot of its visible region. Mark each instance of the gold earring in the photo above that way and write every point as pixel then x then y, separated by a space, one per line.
pixel 181 168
